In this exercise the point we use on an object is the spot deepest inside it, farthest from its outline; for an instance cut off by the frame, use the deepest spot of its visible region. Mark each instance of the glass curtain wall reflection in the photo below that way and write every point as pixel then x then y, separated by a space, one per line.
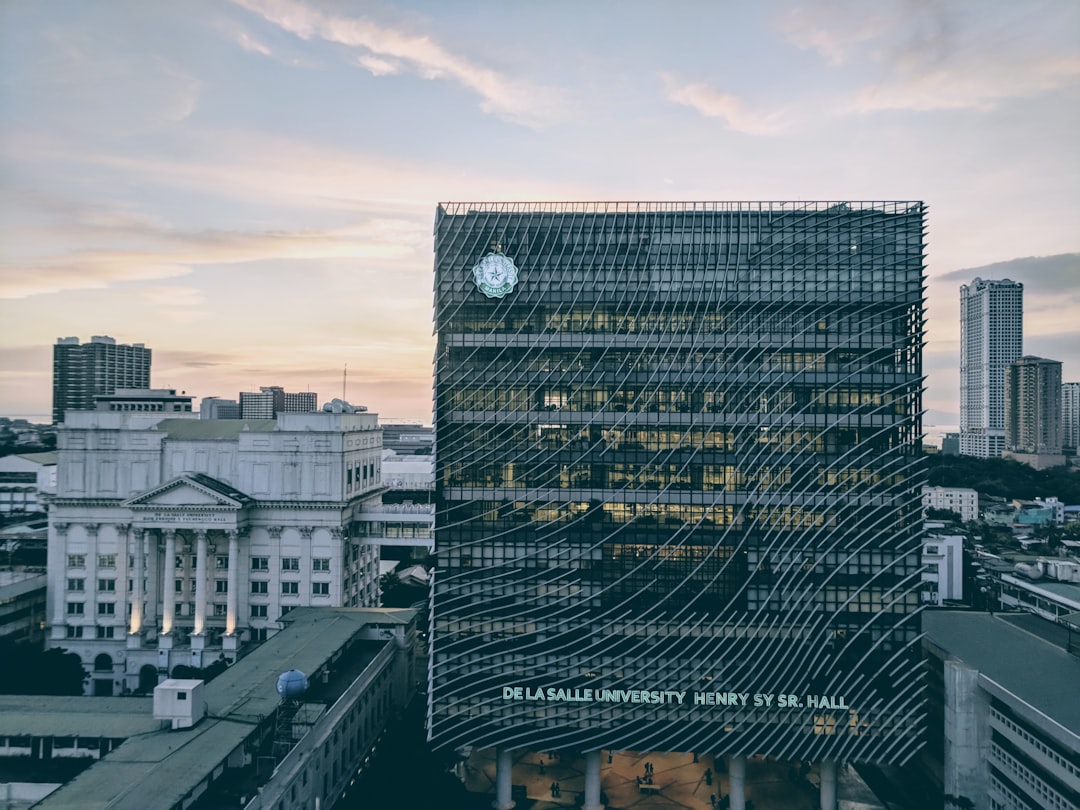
pixel 678 448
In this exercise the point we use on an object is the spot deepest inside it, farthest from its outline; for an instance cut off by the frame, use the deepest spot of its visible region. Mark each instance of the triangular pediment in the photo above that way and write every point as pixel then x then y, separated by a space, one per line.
pixel 191 490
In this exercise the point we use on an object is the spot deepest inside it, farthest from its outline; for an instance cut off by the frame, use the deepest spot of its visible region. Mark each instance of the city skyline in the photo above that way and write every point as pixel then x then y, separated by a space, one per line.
pixel 247 189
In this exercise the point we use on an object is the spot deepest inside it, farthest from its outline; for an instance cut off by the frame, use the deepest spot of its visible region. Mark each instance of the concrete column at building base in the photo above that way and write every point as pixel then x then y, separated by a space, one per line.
pixel 967 734
pixel 504 767
pixel 828 785
pixel 592 781
pixel 737 780
pixel 134 641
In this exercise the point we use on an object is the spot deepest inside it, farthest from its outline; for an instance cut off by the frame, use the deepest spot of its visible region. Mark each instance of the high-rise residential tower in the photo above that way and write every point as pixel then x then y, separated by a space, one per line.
pixel 1033 412
pixel 991 337
pixel 1070 416
pixel 678 473
pixel 84 371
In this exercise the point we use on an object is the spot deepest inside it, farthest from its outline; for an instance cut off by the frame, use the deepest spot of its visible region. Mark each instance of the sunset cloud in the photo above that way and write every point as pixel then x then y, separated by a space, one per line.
pixel 937 56
pixel 716 104
pixel 386 50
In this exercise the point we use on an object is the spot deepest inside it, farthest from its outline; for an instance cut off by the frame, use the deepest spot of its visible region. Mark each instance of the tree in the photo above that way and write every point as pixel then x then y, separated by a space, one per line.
pixel 29 671
pixel 943 514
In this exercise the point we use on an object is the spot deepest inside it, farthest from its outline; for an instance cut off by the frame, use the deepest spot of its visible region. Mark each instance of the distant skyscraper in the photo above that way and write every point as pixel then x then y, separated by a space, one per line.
pixel 678 449
pixel 1070 416
pixel 218 408
pixel 270 400
pixel 84 371
pixel 991 337
pixel 1033 411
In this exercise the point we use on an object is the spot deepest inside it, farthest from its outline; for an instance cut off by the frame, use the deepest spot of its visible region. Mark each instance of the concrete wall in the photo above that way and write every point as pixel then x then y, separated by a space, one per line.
pixel 967 734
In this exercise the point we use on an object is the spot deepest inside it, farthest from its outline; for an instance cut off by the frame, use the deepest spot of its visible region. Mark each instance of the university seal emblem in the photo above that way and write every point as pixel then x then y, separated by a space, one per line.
pixel 495 275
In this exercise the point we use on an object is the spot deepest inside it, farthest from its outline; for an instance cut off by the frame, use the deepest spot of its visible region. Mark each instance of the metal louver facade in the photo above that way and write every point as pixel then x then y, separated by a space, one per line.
pixel 682 453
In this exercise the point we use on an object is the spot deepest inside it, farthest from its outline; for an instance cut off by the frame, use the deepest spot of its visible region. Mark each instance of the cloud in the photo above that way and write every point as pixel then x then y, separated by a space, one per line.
pixel 715 104
pixel 923 55
pixel 379 67
pixel 99 261
pixel 167 359
pixel 173 296
pixel 251 45
pixel 1060 273
pixel 92 86
pixel 386 50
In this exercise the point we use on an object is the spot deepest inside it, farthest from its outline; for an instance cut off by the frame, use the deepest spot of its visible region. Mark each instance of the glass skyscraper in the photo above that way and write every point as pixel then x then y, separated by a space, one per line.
pixel 678 453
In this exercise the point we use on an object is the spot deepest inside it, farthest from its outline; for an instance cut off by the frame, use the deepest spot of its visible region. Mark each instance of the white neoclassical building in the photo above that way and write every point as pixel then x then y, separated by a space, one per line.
pixel 174 540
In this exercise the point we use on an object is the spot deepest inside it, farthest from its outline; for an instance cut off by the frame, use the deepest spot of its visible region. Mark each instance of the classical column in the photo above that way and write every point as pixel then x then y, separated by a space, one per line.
pixel 168 613
pixel 737 776
pixel 123 567
pixel 60 582
pixel 200 582
pixel 828 784
pixel 592 781
pixel 234 582
pixel 137 582
pixel 504 764
pixel 153 581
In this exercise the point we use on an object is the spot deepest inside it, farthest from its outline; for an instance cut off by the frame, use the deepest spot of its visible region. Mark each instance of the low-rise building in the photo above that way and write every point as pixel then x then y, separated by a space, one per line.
pixel 943 556
pixel 963 501
pixel 1004 718
pixel 250 749
pixel 26 482
pixel 1033 513
pixel 1056 507
pixel 144 400
pixel 22 605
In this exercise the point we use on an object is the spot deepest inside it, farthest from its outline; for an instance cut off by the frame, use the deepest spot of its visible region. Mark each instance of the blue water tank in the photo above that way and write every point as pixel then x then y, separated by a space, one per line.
pixel 292 683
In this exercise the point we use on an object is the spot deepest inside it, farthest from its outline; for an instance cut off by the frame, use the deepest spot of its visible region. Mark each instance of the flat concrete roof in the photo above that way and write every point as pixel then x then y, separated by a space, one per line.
pixel 52 716
pixel 1034 670
pixel 158 770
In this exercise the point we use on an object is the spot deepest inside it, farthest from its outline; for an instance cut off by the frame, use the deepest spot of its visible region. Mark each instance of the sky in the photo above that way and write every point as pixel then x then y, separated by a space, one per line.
pixel 249 187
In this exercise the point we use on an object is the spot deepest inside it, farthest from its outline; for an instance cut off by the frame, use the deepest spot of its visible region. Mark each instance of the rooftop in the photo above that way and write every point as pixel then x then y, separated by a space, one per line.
pixel 47 458
pixel 1003 648
pixel 52 716
pixel 169 764
pixel 196 429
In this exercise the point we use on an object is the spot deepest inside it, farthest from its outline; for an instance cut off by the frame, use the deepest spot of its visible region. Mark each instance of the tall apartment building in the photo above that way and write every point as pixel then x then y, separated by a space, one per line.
pixel 991 337
pixel 1033 412
pixel 678 462
pixel 1070 417
pixel 175 540
pixel 84 371
pixel 271 400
